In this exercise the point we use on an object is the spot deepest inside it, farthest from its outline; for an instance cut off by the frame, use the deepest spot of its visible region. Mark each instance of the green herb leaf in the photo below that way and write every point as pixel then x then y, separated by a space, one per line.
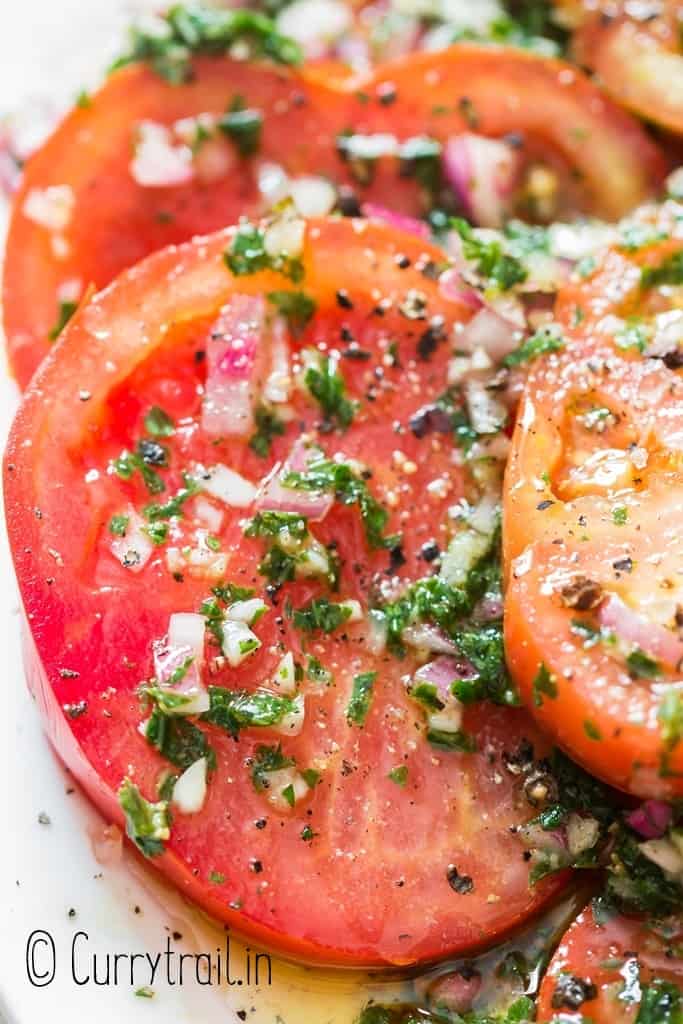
pixel 543 684
pixel 545 340
pixel 233 710
pixel 66 311
pixel 500 269
pixel 642 666
pixel 268 760
pixel 248 255
pixel 296 307
pixel 243 126
pixel 669 271
pixel 181 742
pixel 192 29
pixel 321 614
pixel 350 489
pixel 118 525
pixel 361 698
pixel 268 427
pixel 327 386
pixel 147 824
pixel 158 423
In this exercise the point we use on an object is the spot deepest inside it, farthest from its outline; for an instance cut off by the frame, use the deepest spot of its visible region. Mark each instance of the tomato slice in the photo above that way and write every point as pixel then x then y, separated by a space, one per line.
pixel 400 852
pixel 615 971
pixel 593 497
pixel 82 216
pixel 638 61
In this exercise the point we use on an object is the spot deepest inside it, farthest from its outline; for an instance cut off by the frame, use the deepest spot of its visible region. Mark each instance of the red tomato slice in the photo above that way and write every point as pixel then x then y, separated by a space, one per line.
pixel 593 499
pixel 611 972
pixel 364 868
pixel 101 219
pixel 638 61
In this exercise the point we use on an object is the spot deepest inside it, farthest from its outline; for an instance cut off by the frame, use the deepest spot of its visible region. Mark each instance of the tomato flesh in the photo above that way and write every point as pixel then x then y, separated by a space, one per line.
pixel 112 220
pixel 593 498
pixel 363 869
pixel 620 965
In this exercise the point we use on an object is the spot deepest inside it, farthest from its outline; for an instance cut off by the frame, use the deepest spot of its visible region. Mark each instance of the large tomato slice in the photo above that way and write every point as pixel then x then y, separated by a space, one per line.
pixel 592 540
pixel 402 851
pixel 615 971
pixel 81 216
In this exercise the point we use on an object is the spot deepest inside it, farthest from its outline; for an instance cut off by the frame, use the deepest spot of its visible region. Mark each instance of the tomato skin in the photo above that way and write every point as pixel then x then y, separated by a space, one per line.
pixel 557 530
pixel 403 909
pixel 116 222
pixel 606 955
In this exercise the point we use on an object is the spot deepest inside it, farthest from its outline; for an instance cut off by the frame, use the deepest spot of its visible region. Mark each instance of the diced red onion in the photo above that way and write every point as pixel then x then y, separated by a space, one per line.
pixel 489 330
pixel 483 173
pixel 157 162
pixel 455 992
pixel 655 640
pixel 400 221
pixel 651 820
pixel 452 286
pixel 275 497
pixel 489 609
pixel 535 837
pixel 443 672
pixel 430 638
pixel 278 386
pixel 135 548
pixel 234 354
pixel 168 659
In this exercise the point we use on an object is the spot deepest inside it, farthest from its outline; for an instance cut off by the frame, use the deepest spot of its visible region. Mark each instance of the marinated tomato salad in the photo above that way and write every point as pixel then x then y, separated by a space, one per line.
pixel 345 492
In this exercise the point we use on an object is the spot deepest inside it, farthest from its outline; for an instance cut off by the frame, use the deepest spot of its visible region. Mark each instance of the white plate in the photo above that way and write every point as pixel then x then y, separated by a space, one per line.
pixel 51 880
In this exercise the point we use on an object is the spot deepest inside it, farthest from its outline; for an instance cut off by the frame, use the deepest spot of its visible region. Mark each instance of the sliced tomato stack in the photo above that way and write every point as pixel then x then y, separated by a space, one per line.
pixel 140 485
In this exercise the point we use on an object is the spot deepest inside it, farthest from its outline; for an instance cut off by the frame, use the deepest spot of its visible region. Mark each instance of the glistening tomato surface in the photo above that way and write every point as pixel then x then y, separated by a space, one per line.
pixel 131 170
pixel 592 539
pixel 615 971
pixel 334 829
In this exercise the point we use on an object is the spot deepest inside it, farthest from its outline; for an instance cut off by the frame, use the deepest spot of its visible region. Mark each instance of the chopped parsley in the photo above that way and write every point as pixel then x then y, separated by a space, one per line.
pixel 292 550
pixel 454 742
pixel 174 506
pixel 350 489
pixel 399 775
pixel 64 314
pixel 434 601
pixel 128 463
pixel 545 340
pixel 193 29
pixel 248 255
pixel 670 717
pixel 181 742
pixel 296 307
pixel 321 614
pixel 642 666
pixel 495 265
pixel 118 525
pixel 327 386
pixel 268 427
pixel 243 127
pixel 361 698
pixel 543 685
pixel 233 710
pixel 158 423
pixel 267 760
pixel 619 515
pixel 147 824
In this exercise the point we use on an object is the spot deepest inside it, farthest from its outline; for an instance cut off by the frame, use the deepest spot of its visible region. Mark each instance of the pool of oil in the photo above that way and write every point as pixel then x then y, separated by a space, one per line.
pixel 265 989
